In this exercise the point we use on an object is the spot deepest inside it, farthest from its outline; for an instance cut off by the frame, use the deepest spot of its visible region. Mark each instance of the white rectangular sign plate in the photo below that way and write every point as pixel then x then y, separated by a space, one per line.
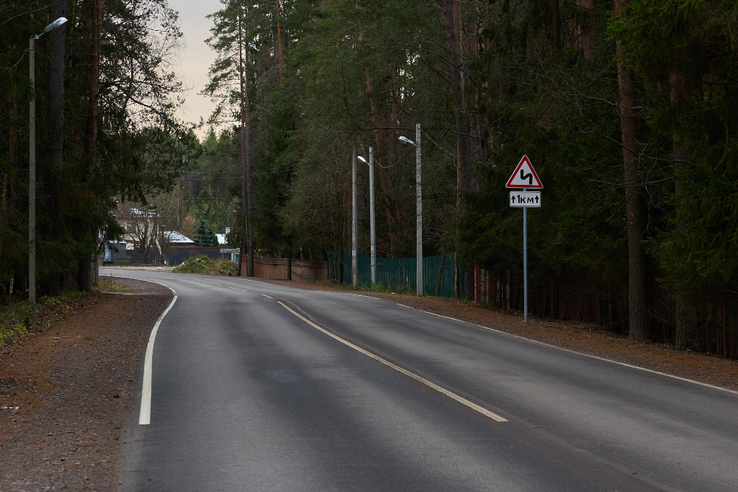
pixel 525 199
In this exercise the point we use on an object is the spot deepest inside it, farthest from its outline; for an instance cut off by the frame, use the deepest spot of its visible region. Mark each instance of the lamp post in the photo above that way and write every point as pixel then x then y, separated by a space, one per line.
pixel 419 208
pixel 371 214
pixel 354 232
pixel 32 159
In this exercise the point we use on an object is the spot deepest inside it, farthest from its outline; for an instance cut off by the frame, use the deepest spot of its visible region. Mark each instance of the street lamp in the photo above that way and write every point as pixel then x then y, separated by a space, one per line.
pixel 354 232
pixel 32 159
pixel 371 214
pixel 419 208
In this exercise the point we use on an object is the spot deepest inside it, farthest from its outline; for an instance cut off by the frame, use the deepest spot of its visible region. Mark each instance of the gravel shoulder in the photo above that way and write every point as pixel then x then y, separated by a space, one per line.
pixel 67 392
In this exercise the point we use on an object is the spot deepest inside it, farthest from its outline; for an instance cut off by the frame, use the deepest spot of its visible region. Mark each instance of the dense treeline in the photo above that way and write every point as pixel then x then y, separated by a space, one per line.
pixel 104 103
pixel 625 108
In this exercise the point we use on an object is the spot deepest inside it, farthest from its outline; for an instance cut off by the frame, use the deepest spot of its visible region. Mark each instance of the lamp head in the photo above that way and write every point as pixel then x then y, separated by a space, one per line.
pixel 58 22
pixel 361 159
pixel 406 140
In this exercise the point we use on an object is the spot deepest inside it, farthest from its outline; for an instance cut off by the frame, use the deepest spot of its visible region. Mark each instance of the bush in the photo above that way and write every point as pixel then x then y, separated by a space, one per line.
pixel 203 264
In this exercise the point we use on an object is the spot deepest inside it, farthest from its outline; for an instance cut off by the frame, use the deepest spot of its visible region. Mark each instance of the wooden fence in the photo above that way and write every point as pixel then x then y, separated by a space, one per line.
pixel 276 269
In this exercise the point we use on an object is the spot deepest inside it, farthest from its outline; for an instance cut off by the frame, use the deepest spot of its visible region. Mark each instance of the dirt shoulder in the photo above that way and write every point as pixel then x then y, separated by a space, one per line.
pixel 67 391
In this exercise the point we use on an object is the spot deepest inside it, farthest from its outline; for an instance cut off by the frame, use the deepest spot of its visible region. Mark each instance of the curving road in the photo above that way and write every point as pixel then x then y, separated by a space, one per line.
pixel 260 387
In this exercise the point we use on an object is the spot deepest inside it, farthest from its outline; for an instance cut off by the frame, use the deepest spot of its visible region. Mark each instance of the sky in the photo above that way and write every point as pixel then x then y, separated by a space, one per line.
pixel 195 56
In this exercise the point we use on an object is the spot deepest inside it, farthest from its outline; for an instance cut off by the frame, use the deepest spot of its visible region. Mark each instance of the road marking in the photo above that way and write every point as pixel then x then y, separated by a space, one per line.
pixel 584 354
pixel 401 370
pixel 144 417
pixel 211 283
pixel 268 297
pixel 364 296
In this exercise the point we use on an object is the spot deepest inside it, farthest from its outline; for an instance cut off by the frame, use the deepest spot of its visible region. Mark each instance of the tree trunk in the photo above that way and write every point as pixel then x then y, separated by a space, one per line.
pixel 637 312
pixel 84 269
pixel 247 244
pixel 93 100
pixel 439 277
pixel 50 227
pixel 685 311
pixel 56 86
pixel 587 32
pixel 51 285
pixel 280 54
pixel 13 156
pixel 556 23
pixel 84 274
pixel 340 266
pixel 452 21
pixel 384 158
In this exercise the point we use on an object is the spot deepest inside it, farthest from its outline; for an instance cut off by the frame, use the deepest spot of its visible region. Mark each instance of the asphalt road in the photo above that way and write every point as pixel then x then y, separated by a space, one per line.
pixel 249 395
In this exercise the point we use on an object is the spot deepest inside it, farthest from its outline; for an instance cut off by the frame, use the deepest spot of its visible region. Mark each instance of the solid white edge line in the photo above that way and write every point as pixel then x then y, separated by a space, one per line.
pixel 401 370
pixel 596 357
pixel 144 416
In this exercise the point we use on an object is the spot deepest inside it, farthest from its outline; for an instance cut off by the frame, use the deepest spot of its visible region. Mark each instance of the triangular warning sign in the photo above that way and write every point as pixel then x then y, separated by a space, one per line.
pixel 524 177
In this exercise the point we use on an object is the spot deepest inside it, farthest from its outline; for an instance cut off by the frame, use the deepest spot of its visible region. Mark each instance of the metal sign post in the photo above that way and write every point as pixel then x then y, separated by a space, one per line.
pixel 525 177
pixel 525 264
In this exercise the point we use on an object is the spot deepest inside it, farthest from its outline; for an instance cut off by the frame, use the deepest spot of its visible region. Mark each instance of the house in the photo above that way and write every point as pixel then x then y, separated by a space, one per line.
pixel 144 236
pixel 139 224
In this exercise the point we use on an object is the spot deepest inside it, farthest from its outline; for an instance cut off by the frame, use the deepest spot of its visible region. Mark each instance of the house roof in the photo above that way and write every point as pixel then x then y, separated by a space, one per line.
pixel 176 237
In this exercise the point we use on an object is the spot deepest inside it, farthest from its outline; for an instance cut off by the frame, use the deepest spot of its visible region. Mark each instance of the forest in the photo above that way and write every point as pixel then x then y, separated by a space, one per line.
pixel 623 106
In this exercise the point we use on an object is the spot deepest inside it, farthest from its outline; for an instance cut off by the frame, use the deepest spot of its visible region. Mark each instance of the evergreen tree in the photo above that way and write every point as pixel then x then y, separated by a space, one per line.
pixel 685 55
pixel 204 237
pixel 114 96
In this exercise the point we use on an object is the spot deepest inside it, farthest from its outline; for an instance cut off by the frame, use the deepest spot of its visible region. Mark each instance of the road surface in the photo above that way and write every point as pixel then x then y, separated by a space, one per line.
pixel 262 387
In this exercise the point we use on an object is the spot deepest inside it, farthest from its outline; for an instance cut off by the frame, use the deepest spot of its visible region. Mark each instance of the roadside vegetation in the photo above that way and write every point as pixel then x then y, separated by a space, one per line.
pixel 203 264
pixel 627 111
pixel 21 318
pixel 108 285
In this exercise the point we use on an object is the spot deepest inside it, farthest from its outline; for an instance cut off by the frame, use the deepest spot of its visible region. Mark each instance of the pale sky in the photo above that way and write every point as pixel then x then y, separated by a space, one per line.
pixel 196 56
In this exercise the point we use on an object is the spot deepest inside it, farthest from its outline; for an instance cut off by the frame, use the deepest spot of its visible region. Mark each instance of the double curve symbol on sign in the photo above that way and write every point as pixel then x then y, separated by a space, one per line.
pixel 524 177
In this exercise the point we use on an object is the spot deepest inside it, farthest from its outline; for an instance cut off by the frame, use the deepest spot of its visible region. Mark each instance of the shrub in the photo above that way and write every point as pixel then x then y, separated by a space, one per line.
pixel 203 264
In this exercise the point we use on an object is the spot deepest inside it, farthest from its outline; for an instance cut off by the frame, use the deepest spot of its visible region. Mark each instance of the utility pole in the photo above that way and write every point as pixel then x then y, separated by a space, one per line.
pixel 373 230
pixel 32 159
pixel 32 174
pixel 354 232
pixel 419 214
pixel 419 210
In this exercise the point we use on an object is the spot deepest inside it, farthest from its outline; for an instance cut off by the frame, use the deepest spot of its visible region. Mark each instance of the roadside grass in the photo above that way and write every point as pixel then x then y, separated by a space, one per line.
pixel 329 283
pixel 18 318
pixel 387 289
pixel 112 286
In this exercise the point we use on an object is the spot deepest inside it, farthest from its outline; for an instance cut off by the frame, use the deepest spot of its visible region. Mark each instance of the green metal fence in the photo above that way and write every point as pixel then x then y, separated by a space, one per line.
pixel 400 273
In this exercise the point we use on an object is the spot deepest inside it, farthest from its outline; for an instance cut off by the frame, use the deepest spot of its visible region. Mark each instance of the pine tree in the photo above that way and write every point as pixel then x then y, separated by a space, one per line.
pixel 204 237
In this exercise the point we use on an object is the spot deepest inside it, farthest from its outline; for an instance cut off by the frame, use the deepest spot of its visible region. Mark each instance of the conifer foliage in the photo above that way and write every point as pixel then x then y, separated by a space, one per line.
pixel 105 99
pixel 203 235
pixel 625 109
